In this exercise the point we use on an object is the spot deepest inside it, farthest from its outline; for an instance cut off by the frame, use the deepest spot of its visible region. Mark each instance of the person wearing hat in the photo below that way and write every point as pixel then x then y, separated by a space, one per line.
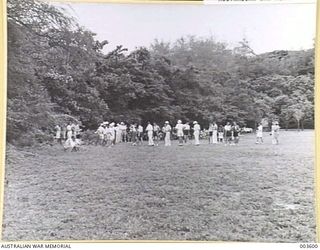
pixel 196 133
pixel 179 129
pixel 275 129
pixel 167 131
pixel 149 130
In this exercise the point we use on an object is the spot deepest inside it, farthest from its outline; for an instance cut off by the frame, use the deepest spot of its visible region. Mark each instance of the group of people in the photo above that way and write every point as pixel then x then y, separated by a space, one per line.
pixel 275 132
pixel 69 135
pixel 109 134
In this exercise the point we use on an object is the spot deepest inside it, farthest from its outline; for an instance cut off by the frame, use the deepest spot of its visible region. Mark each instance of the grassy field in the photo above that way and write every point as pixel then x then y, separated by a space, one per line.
pixel 249 192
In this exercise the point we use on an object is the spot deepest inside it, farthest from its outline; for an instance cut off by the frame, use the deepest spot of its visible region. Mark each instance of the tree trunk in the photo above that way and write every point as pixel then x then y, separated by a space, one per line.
pixel 298 121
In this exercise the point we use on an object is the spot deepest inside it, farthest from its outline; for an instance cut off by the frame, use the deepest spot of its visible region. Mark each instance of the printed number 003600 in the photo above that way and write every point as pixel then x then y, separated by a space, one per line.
pixel 308 245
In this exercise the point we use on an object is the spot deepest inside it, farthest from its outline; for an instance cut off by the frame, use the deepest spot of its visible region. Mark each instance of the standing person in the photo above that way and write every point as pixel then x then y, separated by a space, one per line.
pixel 210 130
pixel 179 127
pixel 196 133
pixel 77 132
pixel 101 132
pixel 235 132
pixel 140 134
pixel 118 133
pixel 123 130
pixel 220 134
pixel 156 133
pixel 149 130
pixel 69 143
pixel 215 133
pixel 259 134
pixel 112 133
pixel 58 134
pixel 186 132
pixel 64 132
pixel 167 131
pixel 228 133
pixel 133 130
pixel 275 130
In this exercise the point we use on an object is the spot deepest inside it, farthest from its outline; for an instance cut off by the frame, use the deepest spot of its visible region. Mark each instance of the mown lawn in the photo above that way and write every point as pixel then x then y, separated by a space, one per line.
pixel 249 192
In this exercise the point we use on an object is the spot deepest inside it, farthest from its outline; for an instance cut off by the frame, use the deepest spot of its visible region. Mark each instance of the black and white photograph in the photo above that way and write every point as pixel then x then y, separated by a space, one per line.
pixel 160 122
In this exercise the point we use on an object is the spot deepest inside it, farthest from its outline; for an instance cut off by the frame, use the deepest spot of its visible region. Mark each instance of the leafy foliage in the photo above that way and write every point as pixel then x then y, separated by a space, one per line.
pixel 57 68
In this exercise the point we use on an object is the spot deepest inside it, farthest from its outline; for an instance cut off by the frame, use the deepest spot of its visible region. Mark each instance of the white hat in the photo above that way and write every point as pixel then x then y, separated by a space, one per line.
pixel 166 122
pixel 112 124
pixel 195 122
pixel 179 121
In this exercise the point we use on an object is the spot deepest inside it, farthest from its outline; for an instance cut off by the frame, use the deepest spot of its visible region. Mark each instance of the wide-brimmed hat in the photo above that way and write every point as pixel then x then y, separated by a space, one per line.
pixel 166 122
pixel 195 122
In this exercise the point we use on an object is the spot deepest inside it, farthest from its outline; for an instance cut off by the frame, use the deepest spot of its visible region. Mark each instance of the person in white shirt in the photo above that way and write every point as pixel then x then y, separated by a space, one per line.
pixel 186 132
pixel 58 134
pixel 215 133
pixel 112 134
pixel 69 143
pixel 123 130
pixel 167 131
pixel 140 134
pixel 149 130
pixel 100 131
pixel 179 128
pixel 259 134
pixel 118 133
pixel 196 133
pixel 275 129
pixel 227 130
pixel 107 134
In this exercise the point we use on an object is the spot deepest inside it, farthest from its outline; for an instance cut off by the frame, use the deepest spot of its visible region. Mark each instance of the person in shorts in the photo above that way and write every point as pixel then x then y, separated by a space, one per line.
pixel 220 134
pixel 179 128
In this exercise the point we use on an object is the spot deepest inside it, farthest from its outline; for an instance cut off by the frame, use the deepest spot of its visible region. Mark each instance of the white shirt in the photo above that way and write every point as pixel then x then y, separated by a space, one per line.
pixel 196 127
pixel 149 128
pixel 167 128
pixel 179 127
pixel 186 127
pixel 122 127
pixel 100 130
pixel 140 129
pixel 227 127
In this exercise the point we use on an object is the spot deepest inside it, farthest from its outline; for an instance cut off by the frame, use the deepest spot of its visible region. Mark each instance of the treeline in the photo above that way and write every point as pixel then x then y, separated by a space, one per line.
pixel 57 72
